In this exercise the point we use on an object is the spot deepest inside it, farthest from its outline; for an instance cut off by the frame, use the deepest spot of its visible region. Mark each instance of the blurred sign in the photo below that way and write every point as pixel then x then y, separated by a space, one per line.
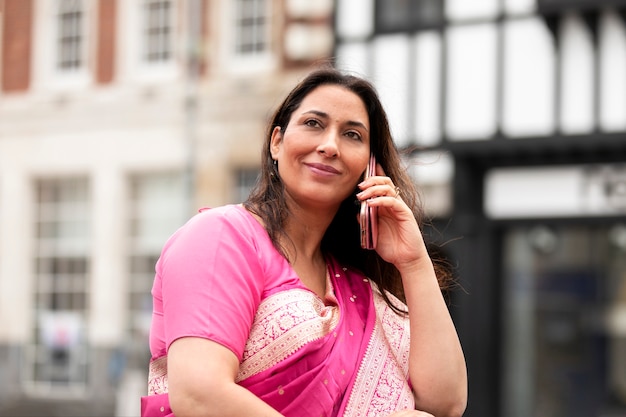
pixel 60 329
pixel 570 191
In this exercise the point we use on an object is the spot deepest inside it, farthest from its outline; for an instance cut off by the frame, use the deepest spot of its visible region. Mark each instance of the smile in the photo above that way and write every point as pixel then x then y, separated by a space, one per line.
pixel 322 169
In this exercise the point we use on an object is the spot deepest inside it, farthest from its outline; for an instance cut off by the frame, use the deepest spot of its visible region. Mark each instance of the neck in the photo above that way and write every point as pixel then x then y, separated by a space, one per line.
pixel 305 230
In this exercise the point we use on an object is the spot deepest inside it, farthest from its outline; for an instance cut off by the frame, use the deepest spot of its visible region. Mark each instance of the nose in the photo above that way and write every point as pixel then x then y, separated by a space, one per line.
pixel 329 147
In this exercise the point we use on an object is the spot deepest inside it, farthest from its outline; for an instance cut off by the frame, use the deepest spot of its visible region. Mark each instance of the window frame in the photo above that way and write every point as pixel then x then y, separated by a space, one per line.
pixel 143 251
pixel 62 279
pixel 70 35
pixel 258 60
pixel 245 178
pixel 48 75
pixel 161 33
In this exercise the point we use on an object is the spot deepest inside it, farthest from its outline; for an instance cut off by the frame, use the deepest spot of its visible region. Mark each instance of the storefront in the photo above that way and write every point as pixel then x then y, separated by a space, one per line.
pixel 539 236
pixel 563 320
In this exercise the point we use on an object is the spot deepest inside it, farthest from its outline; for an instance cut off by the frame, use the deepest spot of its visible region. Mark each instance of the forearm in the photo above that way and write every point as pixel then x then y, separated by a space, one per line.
pixel 224 401
pixel 437 366
pixel 201 376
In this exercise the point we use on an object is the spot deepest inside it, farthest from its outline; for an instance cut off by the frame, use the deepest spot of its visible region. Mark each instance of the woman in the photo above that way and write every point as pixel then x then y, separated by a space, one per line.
pixel 273 308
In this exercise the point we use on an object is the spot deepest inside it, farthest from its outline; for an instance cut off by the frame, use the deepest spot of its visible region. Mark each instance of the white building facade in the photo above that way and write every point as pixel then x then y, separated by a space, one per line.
pixel 118 119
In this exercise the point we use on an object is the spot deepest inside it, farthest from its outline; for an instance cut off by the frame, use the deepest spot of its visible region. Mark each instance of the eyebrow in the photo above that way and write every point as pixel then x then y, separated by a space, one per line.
pixel 326 116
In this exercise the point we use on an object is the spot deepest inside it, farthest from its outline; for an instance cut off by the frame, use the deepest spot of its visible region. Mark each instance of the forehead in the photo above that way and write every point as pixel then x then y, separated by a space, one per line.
pixel 336 101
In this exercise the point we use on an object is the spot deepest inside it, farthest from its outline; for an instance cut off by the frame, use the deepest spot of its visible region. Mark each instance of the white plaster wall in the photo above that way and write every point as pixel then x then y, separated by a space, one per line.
pixel 134 125
pixel 91 136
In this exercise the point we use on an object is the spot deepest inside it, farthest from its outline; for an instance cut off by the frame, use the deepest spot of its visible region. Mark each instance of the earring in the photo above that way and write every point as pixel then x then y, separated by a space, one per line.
pixel 274 170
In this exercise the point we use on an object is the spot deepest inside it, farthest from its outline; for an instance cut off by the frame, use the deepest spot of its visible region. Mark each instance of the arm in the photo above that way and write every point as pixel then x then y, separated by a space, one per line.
pixel 201 379
pixel 210 289
pixel 437 365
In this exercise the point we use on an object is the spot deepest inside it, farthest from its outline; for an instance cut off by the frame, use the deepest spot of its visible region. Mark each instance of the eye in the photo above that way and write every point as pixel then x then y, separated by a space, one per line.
pixel 312 123
pixel 353 135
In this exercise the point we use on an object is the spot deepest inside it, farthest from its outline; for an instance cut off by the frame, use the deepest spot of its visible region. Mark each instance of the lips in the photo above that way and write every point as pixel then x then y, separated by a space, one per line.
pixel 322 167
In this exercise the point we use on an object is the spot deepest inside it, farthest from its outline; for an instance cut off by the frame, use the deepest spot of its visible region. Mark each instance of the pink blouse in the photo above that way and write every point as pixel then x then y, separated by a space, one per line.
pixel 212 275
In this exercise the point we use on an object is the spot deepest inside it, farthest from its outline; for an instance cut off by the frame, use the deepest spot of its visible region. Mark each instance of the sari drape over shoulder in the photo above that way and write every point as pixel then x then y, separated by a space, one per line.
pixel 346 357
pixel 348 360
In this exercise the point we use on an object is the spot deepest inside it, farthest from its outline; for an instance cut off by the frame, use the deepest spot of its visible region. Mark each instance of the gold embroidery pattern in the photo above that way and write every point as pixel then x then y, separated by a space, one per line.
pixel 381 385
pixel 285 322
pixel 157 376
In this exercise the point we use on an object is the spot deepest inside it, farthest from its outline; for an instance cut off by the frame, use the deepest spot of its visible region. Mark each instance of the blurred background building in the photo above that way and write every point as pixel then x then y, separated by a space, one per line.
pixel 517 111
pixel 119 118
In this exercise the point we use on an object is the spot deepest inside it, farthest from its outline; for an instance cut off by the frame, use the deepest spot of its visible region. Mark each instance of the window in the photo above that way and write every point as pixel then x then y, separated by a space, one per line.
pixel 246 179
pixel 157 209
pixel 70 35
pixel 471 96
pixel 252 22
pixel 157 30
pixel 58 358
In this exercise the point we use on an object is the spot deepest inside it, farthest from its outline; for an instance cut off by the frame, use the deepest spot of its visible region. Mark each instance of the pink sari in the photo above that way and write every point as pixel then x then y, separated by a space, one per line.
pixel 347 356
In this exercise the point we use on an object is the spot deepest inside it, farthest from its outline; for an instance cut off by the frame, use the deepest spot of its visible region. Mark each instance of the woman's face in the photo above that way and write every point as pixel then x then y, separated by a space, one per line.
pixel 324 149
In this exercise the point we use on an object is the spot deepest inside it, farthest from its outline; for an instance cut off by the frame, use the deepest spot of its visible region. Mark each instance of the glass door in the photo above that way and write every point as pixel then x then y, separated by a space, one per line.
pixel 564 321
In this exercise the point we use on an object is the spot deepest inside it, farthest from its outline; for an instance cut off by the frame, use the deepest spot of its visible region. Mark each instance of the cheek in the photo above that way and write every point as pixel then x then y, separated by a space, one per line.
pixel 364 162
pixel 297 147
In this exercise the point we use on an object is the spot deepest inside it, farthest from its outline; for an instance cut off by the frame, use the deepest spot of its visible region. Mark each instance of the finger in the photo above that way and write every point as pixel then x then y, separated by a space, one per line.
pixel 386 189
pixel 398 192
pixel 375 180
pixel 395 204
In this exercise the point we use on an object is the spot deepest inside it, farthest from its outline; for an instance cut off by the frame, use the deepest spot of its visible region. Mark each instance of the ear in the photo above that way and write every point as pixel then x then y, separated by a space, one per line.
pixel 275 142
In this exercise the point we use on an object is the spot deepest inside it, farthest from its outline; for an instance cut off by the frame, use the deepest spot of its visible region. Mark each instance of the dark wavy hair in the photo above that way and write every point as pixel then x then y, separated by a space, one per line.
pixel 342 238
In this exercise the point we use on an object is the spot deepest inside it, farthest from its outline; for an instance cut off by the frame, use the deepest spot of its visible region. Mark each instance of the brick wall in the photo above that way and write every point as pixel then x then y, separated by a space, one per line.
pixel 106 43
pixel 16 45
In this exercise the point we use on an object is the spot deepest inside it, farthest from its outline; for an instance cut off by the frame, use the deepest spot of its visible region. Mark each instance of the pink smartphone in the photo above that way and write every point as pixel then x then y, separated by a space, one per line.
pixel 368 218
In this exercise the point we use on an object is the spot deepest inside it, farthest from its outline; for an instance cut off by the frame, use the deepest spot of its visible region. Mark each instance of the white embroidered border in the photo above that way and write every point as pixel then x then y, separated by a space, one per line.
pixel 157 376
pixel 284 323
pixel 381 385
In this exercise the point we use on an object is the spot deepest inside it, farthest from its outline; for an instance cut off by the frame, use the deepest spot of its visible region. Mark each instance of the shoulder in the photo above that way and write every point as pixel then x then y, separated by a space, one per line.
pixel 220 222
pixel 219 228
pixel 228 214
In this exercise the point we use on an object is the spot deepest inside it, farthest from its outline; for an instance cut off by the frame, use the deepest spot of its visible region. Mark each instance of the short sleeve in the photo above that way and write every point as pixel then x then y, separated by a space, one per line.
pixel 211 280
